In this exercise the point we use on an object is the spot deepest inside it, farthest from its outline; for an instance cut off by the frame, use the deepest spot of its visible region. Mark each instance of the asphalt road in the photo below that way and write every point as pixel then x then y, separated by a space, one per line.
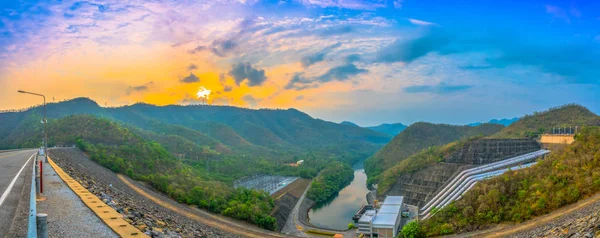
pixel 15 168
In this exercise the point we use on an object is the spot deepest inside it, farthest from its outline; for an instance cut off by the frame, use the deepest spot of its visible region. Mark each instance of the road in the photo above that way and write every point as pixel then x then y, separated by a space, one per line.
pixel 15 177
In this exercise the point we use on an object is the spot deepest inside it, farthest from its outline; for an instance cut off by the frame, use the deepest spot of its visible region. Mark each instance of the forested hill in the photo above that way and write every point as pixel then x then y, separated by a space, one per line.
pixel 541 122
pixel 419 136
pixel 264 132
pixel 390 129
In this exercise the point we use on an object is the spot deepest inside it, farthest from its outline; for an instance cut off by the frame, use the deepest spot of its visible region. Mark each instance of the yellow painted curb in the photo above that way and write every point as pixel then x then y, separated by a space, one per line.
pixel 112 218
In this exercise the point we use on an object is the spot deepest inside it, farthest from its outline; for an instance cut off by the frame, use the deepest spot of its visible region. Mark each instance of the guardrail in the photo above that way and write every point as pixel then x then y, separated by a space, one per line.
pixel 32 224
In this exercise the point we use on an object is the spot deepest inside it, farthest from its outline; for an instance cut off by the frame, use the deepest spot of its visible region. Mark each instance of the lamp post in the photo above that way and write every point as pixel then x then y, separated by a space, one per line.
pixel 45 121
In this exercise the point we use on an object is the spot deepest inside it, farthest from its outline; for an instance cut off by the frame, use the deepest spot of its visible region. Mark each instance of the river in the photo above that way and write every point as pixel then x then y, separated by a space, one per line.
pixel 338 211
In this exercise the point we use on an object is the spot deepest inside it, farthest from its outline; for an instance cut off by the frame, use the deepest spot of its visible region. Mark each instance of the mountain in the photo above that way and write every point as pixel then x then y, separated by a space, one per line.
pixel 417 137
pixel 272 134
pixel 348 123
pixel 565 176
pixel 503 121
pixel 570 115
pixel 390 129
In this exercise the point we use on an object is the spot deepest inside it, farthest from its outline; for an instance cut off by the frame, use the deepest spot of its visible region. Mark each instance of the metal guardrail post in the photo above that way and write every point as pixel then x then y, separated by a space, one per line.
pixel 42 225
pixel 37 178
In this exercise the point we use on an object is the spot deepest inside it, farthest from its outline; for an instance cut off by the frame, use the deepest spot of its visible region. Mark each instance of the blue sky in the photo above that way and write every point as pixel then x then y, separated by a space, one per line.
pixel 368 62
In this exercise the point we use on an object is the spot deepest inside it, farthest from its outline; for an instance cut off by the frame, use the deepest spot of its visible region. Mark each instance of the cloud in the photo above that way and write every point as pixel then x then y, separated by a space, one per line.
pixel 140 88
pixel 319 56
pixel 409 50
pixel 339 73
pixel 420 22
pixel 192 67
pixel 298 98
pixel 226 45
pixel 192 78
pixel 242 71
pixel 575 63
pixel 397 4
pixel 253 102
pixel 337 30
pixel 558 12
pixel 352 58
pixel 475 67
pixel 436 89
pixel 348 4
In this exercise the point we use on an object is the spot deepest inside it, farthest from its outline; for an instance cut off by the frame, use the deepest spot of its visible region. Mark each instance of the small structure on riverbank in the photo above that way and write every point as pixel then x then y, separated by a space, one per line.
pixel 361 211
pixel 384 221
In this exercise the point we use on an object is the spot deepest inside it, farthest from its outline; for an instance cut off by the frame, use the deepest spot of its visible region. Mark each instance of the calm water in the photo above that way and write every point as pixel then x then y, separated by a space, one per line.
pixel 337 213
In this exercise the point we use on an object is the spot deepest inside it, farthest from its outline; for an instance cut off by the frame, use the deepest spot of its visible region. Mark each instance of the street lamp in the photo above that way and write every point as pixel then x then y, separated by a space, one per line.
pixel 45 122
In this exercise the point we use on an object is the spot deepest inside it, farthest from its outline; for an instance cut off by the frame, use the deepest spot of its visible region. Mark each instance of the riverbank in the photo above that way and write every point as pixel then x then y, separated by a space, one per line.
pixel 336 213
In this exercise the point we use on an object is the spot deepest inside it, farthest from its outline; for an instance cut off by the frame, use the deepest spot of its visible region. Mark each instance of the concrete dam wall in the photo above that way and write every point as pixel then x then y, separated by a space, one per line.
pixel 420 186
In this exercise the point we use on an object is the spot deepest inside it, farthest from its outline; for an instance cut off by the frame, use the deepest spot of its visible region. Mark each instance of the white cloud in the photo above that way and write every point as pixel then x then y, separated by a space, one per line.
pixel 349 4
pixel 420 22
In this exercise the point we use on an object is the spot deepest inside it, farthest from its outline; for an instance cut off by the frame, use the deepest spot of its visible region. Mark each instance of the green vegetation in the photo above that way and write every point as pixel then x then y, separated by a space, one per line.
pixel 531 126
pixel 194 153
pixel 412 230
pixel 351 225
pixel 566 175
pixel 331 180
pixel 417 137
pixel 119 149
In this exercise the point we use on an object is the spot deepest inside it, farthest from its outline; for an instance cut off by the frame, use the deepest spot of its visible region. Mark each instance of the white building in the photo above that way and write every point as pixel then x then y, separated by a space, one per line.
pixel 383 222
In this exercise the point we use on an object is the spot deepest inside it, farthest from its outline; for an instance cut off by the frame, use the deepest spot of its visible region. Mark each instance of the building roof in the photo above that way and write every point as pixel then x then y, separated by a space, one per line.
pixel 367 216
pixel 389 209
pixel 385 219
pixel 393 200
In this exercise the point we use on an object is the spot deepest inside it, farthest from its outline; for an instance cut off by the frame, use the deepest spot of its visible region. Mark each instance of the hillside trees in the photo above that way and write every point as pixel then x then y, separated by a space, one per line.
pixel 331 180
pixel 565 176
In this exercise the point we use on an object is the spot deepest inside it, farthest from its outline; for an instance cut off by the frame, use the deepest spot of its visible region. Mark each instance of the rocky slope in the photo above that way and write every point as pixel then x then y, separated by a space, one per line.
pixel 152 219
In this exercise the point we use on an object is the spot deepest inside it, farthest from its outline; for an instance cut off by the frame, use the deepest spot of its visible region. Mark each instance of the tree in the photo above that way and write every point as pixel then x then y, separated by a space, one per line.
pixel 412 230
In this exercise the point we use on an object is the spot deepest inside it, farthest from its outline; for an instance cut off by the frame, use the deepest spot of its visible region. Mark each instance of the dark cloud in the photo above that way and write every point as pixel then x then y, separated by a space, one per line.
pixel 475 67
pixel 352 58
pixel 140 88
pixel 319 56
pixel 339 73
pixel 436 89
pixel 219 47
pixel 339 30
pixel 243 71
pixel 227 45
pixel 579 64
pixel 192 67
pixel 192 78
pixel 253 102
pixel 298 98
pixel 407 51
pixel 227 88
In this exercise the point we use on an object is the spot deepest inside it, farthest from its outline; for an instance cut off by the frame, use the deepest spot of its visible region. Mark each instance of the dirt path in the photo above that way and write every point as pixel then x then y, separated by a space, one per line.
pixel 206 218
pixel 504 230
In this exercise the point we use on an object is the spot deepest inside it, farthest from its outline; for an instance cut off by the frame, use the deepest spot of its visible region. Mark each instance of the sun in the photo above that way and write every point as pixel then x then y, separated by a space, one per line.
pixel 203 93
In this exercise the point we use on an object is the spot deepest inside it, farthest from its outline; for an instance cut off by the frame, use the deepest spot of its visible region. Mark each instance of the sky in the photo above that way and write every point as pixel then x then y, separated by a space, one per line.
pixel 368 62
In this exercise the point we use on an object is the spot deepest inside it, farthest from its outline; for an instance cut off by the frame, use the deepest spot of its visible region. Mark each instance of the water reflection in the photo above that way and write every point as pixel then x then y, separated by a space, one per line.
pixel 338 211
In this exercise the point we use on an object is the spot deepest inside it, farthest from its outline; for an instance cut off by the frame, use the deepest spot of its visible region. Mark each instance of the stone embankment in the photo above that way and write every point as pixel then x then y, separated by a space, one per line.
pixel 584 222
pixel 152 219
